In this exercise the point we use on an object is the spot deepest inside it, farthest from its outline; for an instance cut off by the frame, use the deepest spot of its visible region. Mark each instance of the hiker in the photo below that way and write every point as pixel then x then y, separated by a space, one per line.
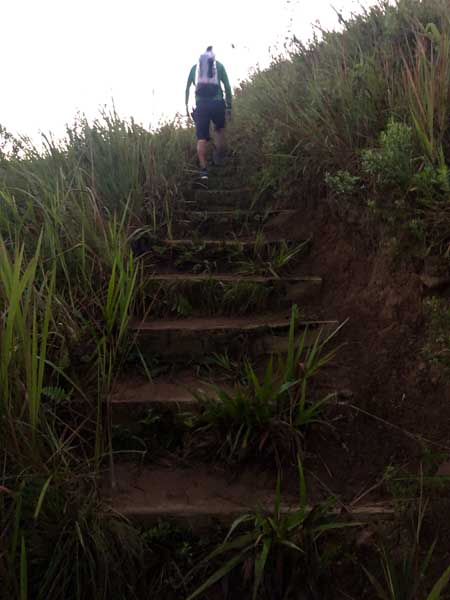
pixel 207 76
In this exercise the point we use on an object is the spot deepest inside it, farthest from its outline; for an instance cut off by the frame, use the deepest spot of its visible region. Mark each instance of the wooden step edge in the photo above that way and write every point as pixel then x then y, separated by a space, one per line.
pixel 181 511
pixel 165 394
pixel 233 278
pixel 237 212
pixel 221 192
pixel 173 396
pixel 224 324
pixel 223 243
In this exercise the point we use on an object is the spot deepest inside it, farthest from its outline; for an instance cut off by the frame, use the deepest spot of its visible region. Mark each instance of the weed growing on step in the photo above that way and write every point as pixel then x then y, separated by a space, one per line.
pixel 155 432
pixel 209 297
pixel 269 413
pixel 273 259
pixel 170 554
pixel 278 552
pixel 232 369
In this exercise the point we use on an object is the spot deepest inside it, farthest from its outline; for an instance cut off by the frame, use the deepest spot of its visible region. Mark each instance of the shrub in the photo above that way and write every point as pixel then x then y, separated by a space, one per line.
pixel 392 165
pixel 342 183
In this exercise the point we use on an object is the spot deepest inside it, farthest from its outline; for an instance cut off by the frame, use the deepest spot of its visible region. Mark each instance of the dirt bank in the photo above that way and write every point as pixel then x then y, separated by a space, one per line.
pixel 380 366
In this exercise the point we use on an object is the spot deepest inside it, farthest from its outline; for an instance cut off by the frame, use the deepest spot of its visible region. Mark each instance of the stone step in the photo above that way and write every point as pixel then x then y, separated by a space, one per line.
pixel 201 495
pixel 191 338
pixel 183 294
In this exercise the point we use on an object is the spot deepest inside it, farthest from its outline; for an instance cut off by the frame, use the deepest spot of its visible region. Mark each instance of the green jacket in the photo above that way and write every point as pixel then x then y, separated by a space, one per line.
pixel 223 78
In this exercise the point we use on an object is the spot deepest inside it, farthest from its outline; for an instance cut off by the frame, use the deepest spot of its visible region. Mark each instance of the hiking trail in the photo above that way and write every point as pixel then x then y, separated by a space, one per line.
pixel 220 239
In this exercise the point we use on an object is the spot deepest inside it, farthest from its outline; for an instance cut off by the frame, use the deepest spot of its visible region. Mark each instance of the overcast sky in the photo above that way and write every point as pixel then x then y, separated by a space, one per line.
pixel 64 56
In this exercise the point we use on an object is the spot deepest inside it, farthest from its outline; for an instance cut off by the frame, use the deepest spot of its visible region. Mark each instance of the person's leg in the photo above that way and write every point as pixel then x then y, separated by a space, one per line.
pixel 201 151
pixel 218 118
pixel 220 142
pixel 201 119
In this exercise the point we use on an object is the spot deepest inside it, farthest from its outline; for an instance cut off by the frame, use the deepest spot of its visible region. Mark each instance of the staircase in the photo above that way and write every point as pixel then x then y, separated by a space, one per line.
pixel 220 287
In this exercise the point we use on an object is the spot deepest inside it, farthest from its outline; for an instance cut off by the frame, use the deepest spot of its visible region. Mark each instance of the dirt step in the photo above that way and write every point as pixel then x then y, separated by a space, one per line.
pixel 223 223
pixel 243 198
pixel 262 247
pixel 200 294
pixel 253 254
pixel 224 177
pixel 191 338
pixel 132 396
pixel 237 198
pixel 200 495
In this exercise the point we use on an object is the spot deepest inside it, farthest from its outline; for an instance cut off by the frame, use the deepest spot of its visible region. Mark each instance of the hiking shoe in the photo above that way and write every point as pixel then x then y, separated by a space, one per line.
pixel 204 175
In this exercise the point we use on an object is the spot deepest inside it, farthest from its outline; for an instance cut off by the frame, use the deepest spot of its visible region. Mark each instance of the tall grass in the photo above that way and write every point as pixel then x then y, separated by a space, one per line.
pixel 68 214
pixel 24 337
pixel 68 286
pixel 317 107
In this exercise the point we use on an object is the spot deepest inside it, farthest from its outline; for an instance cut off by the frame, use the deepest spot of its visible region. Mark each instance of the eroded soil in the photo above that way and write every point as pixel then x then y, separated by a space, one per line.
pixel 380 367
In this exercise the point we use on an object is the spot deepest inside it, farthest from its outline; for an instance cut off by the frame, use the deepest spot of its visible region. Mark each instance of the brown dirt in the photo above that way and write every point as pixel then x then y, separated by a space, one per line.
pixel 380 364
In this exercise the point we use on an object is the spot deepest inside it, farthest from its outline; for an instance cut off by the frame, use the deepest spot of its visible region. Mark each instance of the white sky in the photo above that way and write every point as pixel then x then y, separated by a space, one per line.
pixel 64 56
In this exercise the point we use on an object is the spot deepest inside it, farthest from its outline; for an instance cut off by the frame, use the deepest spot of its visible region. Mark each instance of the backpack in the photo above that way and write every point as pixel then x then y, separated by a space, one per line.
pixel 206 76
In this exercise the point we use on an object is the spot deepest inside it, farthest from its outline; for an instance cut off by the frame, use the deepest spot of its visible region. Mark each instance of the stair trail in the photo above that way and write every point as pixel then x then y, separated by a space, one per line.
pixel 218 233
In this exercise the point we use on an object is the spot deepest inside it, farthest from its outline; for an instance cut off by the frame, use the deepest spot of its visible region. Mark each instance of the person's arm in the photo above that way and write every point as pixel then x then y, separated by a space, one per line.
pixel 190 81
pixel 226 84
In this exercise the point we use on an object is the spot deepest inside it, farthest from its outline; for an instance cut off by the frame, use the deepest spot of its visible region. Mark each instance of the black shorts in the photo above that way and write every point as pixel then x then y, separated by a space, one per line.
pixel 207 111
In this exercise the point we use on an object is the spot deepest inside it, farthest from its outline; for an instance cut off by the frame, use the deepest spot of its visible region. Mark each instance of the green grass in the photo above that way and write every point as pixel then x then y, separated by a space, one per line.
pixel 69 283
pixel 319 107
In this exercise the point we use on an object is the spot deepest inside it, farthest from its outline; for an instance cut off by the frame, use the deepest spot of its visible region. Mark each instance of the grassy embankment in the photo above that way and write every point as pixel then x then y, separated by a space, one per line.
pixel 69 283
pixel 359 116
